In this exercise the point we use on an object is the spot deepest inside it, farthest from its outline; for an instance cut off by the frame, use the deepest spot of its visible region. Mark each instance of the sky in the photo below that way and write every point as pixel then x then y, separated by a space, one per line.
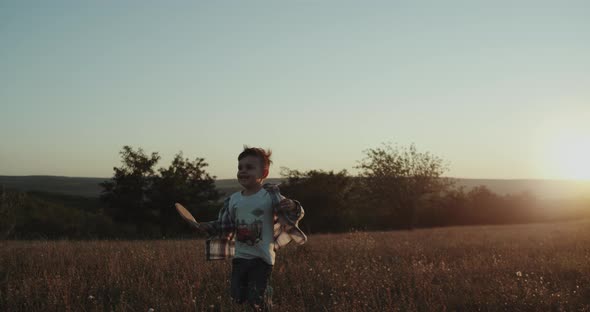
pixel 497 89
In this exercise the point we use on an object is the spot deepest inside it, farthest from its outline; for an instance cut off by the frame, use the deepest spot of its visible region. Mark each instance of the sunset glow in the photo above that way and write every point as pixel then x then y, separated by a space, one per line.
pixel 569 155
pixel 488 87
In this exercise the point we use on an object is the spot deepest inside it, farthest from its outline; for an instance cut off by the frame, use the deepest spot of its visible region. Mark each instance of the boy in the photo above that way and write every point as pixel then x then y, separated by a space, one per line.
pixel 261 221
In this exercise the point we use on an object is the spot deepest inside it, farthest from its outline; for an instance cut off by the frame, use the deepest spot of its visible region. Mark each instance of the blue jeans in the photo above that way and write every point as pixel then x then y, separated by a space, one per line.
pixel 249 281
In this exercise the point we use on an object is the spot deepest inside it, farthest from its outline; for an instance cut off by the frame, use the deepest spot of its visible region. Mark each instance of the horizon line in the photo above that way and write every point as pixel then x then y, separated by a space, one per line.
pixel 217 178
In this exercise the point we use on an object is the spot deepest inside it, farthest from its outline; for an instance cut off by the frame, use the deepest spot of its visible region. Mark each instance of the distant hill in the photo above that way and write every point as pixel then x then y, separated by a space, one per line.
pixel 543 189
pixel 89 187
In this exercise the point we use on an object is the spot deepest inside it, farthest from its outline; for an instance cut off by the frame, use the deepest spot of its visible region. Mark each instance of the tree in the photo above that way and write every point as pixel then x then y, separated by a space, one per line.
pixel 127 193
pixel 186 182
pixel 325 196
pixel 397 180
pixel 144 198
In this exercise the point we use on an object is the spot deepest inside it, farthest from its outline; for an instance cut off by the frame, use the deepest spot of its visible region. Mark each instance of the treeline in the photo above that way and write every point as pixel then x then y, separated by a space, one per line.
pixel 396 188
pixel 336 202
pixel 42 215
pixel 137 202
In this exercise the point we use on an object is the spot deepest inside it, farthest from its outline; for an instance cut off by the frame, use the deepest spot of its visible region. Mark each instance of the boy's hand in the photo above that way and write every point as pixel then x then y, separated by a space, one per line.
pixel 204 228
pixel 287 205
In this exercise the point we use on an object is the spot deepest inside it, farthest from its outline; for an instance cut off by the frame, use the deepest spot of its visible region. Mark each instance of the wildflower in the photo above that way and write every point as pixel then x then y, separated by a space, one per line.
pixel 91 297
pixel 519 274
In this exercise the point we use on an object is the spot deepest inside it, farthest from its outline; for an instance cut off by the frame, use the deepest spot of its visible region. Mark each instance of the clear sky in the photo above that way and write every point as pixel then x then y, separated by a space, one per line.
pixel 499 89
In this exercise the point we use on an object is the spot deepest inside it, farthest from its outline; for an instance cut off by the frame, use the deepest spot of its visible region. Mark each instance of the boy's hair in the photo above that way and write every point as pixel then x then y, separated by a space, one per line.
pixel 263 155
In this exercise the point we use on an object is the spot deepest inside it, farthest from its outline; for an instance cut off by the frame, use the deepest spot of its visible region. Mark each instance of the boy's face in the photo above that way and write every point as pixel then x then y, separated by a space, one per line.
pixel 251 172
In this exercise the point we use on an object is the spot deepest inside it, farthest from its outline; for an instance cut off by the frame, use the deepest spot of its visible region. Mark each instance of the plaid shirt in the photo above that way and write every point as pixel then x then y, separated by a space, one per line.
pixel 221 244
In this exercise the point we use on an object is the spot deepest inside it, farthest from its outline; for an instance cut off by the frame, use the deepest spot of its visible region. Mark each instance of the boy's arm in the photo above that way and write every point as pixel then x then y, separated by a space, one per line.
pixel 289 208
pixel 215 227
pixel 292 209
pixel 220 244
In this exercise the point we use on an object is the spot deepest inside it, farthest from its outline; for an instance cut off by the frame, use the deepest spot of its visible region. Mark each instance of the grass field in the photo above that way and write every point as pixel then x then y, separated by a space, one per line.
pixel 521 267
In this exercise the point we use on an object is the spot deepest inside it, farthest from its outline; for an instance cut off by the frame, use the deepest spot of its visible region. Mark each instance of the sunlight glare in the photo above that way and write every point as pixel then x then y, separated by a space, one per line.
pixel 569 155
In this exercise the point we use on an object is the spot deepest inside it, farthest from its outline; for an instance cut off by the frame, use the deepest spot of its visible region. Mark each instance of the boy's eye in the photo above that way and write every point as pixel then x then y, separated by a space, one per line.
pixel 245 167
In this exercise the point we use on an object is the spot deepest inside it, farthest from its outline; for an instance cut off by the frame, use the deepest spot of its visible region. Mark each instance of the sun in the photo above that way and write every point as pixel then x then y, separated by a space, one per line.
pixel 569 156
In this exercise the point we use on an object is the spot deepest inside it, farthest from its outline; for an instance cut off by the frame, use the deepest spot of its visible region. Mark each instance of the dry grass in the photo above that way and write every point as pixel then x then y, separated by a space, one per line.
pixel 523 267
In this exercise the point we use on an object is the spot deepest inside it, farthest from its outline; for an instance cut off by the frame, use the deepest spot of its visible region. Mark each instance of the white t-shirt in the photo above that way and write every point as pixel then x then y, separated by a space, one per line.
pixel 254 226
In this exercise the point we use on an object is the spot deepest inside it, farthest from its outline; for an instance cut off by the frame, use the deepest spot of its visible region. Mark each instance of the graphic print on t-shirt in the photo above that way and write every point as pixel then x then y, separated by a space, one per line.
pixel 250 233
